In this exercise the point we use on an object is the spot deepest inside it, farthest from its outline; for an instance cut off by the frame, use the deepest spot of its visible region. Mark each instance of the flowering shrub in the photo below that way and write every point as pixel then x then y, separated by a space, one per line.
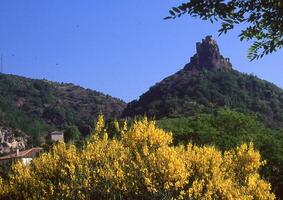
pixel 141 163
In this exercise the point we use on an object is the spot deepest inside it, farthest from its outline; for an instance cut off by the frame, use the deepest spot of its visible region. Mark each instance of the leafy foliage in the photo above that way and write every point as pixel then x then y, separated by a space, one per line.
pixel 142 164
pixel 227 129
pixel 264 19
pixel 71 134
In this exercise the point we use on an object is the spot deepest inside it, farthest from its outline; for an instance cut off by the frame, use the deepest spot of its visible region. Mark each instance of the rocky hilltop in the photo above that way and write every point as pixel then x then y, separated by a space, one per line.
pixel 207 83
pixel 208 56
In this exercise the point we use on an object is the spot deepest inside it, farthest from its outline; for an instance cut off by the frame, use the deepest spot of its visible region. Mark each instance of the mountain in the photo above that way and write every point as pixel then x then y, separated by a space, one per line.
pixel 36 106
pixel 206 83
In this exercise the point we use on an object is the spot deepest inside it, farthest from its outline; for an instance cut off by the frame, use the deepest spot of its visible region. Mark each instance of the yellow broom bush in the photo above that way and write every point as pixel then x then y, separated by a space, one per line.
pixel 141 163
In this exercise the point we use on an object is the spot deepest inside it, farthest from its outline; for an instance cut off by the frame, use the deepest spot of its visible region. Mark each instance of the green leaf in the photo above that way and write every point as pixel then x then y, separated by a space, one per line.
pixel 169 17
pixel 172 12
pixel 176 10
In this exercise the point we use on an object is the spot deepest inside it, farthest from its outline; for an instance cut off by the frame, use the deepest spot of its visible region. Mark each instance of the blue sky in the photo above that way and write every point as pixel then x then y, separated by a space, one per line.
pixel 120 47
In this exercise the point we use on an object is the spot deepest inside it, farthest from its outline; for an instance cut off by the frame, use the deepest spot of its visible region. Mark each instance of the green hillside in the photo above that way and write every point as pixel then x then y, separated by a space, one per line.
pixel 37 106
pixel 207 83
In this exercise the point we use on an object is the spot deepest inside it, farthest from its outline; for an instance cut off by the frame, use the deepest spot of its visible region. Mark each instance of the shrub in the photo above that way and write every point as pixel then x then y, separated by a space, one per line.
pixel 141 163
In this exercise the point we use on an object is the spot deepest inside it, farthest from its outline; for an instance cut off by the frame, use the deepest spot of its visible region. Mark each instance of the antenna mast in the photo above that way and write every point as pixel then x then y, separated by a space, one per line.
pixel 1 63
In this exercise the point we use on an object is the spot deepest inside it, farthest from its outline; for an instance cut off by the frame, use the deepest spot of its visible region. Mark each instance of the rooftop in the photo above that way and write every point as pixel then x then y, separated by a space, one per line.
pixel 56 133
pixel 29 153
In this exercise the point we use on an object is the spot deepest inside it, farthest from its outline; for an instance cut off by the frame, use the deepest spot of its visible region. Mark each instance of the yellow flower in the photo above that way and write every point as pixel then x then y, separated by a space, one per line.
pixel 142 164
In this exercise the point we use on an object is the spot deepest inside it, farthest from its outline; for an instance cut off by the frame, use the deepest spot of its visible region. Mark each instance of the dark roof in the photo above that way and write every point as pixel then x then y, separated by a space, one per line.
pixel 29 153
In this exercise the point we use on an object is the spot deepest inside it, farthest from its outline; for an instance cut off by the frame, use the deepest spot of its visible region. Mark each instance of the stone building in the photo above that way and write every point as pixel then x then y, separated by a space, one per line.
pixel 56 136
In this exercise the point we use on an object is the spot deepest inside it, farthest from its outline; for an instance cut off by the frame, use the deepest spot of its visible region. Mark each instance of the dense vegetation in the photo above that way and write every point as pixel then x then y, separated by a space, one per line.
pixel 38 106
pixel 140 163
pixel 227 129
pixel 189 92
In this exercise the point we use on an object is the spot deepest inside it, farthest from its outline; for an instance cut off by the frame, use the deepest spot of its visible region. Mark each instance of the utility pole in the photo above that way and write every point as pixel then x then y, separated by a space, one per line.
pixel 1 63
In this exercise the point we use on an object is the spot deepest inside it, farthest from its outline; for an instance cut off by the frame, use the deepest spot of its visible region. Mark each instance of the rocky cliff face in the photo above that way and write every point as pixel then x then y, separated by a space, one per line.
pixel 208 56
pixel 11 140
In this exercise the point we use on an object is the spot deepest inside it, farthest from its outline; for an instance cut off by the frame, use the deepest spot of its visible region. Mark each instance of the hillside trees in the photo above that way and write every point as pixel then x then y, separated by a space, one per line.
pixel 139 163
pixel 186 94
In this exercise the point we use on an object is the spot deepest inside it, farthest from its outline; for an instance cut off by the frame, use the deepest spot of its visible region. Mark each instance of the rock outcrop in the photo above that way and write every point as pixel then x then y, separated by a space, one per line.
pixel 208 56
pixel 11 140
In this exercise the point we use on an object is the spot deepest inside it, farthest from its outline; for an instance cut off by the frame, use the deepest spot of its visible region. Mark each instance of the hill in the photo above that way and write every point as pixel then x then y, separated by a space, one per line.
pixel 207 83
pixel 36 106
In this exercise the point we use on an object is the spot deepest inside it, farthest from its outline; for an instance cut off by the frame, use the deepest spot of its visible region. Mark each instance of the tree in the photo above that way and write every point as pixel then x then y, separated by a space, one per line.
pixel 264 19
pixel 71 133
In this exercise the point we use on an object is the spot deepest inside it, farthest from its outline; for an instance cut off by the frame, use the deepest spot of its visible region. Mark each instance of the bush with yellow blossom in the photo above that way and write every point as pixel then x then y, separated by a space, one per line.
pixel 140 163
